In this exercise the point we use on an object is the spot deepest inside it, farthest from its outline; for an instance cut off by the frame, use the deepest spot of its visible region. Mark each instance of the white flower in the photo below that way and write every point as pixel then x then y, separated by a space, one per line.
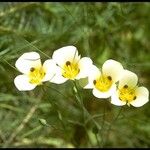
pixel 33 71
pixel 103 82
pixel 128 92
pixel 71 65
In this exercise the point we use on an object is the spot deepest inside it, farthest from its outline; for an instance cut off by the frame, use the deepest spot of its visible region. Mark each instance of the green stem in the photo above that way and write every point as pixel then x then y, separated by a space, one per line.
pixel 85 112
pixel 102 126
pixel 115 119
pixel 98 143
pixel 79 99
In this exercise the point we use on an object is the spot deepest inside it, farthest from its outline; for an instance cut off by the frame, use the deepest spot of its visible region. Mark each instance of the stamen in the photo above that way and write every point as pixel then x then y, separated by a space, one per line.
pixel 68 63
pixel 32 69
pixel 109 78
pixel 127 94
pixel 78 70
pixel 103 83
pixel 70 70
pixel 125 86
pixel 94 82
pixel 36 75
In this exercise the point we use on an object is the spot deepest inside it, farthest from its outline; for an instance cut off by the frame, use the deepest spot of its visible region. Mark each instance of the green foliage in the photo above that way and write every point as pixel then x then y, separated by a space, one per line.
pixel 50 116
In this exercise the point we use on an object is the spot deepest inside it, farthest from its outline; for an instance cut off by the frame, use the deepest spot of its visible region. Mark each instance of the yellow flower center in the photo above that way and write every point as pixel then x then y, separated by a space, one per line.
pixel 103 83
pixel 70 70
pixel 127 94
pixel 36 75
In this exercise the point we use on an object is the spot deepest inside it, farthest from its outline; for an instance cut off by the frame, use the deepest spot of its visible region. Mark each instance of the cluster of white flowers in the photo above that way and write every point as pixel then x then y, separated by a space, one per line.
pixel 111 81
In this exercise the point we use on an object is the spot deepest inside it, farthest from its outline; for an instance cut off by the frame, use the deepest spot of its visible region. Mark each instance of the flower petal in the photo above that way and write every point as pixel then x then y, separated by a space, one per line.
pixel 22 83
pixel 128 78
pixel 64 54
pixel 142 95
pixel 90 85
pixel 50 69
pixel 93 74
pixel 85 65
pixel 28 60
pixel 58 79
pixel 112 68
pixel 115 99
pixel 107 94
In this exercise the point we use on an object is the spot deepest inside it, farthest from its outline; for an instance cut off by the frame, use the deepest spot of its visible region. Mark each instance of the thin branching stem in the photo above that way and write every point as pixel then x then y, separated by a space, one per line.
pixel 85 112
pixel 111 124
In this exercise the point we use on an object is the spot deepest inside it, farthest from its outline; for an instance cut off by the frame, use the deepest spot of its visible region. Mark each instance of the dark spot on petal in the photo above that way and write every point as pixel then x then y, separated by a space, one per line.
pixel 32 69
pixel 68 63
pixel 94 82
pixel 109 78
pixel 125 86
pixel 134 98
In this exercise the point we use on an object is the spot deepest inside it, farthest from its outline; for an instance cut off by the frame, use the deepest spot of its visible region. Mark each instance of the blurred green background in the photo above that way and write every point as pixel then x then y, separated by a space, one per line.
pixel 49 115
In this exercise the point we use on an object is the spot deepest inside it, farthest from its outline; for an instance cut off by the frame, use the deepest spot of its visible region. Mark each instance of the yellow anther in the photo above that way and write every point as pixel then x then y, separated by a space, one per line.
pixel 103 83
pixel 127 94
pixel 36 75
pixel 70 70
